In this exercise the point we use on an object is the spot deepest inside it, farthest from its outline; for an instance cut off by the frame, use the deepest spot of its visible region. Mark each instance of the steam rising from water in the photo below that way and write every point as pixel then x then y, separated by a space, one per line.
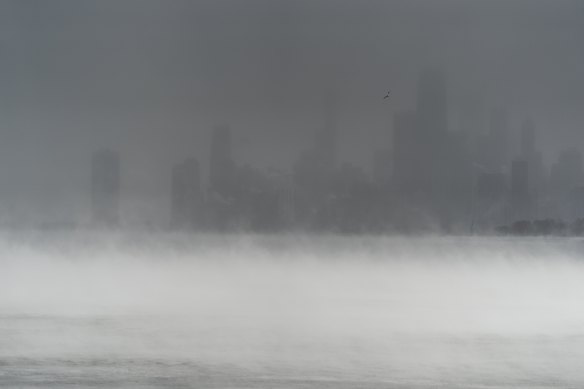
pixel 378 310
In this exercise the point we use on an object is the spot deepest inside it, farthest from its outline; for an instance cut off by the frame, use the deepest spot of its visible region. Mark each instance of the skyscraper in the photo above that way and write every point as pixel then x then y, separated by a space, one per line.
pixel 432 109
pixel 568 171
pixel 520 198
pixel 534 160
pixel 498 153
pixel 382 167
pixel 221 166
pixel 315 169
pixel 406 153
pixel 432 128
pixel 566 179
pixel 442 176
pixel 186 194
pixel 326 137
pixel 527 138
pixel 105 187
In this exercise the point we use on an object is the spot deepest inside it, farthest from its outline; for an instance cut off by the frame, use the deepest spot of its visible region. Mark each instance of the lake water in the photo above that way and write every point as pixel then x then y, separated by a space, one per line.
pixel 162 310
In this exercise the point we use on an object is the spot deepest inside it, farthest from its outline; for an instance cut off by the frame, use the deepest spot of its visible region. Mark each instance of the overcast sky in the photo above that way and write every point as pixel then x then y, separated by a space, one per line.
pixel 151 78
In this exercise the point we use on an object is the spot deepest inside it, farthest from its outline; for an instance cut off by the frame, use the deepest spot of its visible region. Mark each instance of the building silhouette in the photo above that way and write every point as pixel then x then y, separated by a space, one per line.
pixel 186 196
pixel 566 179
pixel 221 165
pixel 429 160
pixel 576 203
pixel 568 171
pixel 527 138
pixel 431 108
pixel 520 197
pixel 496 146
pixel 490 200
pixel 431 166
pixel 432 134
pixel 382 167
pixel 326 136
pixel 434 178
pixel 223 200
pixel 407 160
pixel 314 172
pixel 534 159
pixel 105 187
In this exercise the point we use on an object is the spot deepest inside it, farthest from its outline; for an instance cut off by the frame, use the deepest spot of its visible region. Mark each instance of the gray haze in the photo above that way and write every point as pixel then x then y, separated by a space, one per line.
pixel 151 79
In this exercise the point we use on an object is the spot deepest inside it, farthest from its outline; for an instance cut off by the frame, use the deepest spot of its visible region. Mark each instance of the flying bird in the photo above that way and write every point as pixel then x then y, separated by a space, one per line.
pixel 387 95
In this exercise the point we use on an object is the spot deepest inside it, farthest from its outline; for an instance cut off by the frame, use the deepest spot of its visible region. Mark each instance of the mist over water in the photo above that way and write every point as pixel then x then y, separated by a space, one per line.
pixel 201 193
pixel 270 311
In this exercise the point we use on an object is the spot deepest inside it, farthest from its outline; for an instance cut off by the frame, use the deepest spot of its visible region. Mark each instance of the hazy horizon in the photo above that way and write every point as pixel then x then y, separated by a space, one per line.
pixel 291 194
pixel 151 79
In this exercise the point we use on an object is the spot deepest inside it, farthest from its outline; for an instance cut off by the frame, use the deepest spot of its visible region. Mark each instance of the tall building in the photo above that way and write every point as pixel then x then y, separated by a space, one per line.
pixel 534 160
pixel 314 171
pixel 492 187
pixel 186 195
pixel 382 167
pixel 471 115
pixel 221 166
pixel 431 167
pixel 432 129
pixel 520 198
pixel 472 121
pixel 568 171
pixel 576 203
pixel 432 109
pixel 566 179
pixel 105 187
pixel 443 174
pixel 326 137
pixel 527 138
pixel 498 153
pixel 406 153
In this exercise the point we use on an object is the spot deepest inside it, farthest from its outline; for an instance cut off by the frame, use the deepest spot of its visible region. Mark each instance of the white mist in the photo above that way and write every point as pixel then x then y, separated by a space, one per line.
pixel 252 311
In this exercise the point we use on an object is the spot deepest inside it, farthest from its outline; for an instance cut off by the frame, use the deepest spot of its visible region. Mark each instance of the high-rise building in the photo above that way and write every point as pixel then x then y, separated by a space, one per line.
pixel 186 196
pixel 443 173
pixel 406 153
pixel 568 171
pixel 472 121
pixel 576 203
pixel 105 187
pixel 326 137
pixel 432 137
pixel 498 153
pixel 471 115
pixel 566 179
pixel 432 109
pixel 314 171
pixel 520 197
pixel 527 138
pixel 534 160
pixel 489 201
pixel 382 167
pixel 221 166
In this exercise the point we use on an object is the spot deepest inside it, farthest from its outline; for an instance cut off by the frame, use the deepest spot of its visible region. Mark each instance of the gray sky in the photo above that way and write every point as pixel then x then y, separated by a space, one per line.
pixel 151 78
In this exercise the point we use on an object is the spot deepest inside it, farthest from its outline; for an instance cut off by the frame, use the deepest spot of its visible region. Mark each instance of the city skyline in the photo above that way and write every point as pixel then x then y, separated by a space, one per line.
pixel 151 81
pixel 291 193
pixel 432 179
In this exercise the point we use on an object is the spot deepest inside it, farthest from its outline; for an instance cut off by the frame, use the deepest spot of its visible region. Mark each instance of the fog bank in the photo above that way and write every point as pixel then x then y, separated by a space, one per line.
pixel 281 312
pixel 300 283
